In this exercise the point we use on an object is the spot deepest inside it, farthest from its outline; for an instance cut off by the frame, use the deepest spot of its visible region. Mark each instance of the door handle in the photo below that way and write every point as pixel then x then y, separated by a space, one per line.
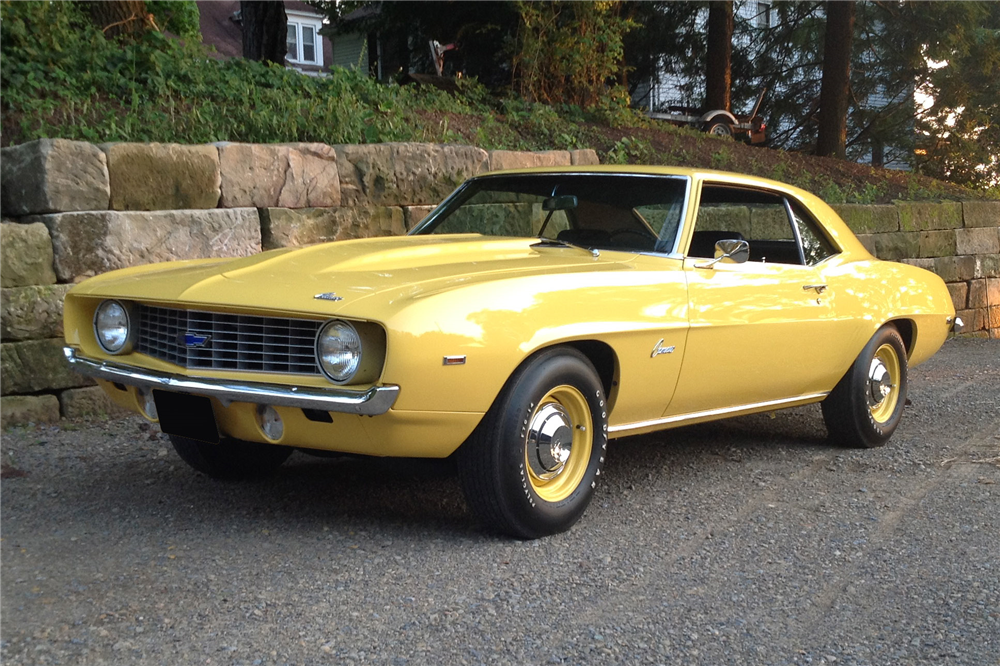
pixel 820 288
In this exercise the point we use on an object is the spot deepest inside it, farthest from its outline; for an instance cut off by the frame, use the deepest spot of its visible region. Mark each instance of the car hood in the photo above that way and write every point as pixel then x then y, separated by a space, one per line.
pixel 347 272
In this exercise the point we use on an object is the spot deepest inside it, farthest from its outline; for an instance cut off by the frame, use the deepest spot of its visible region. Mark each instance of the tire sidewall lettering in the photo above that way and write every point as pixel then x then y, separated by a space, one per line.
pixel 544 378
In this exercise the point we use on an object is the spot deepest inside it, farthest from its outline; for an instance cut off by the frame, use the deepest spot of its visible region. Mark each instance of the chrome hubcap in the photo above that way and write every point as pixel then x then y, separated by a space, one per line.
pixel 879 383
pixel 550 441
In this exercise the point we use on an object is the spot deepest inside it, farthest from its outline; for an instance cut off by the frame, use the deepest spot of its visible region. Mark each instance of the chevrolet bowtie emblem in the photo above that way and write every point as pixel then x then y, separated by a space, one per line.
pixel 190 339
pixel 328 296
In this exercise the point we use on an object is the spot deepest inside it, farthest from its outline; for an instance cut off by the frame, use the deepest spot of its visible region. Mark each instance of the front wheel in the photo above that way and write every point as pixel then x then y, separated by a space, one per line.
pixel 231 458
pixel 530 468
pixel 865 407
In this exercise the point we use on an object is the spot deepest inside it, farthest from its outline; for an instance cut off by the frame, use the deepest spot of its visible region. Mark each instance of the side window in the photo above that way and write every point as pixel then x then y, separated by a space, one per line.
pixel 815 245
pixel 756 216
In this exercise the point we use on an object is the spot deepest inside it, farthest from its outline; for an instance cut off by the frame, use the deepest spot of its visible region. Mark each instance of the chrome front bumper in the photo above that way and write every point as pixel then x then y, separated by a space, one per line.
pixel 371 402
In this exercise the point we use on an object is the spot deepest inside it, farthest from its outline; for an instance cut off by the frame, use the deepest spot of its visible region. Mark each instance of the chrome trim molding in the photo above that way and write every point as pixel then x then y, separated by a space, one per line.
pixel 757 406
pixel 372 402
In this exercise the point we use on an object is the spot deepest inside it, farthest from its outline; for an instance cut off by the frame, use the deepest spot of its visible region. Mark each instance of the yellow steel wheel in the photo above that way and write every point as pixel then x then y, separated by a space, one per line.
pixel 866 405
pixel 558 443
pixel 883 383
pixel 531 467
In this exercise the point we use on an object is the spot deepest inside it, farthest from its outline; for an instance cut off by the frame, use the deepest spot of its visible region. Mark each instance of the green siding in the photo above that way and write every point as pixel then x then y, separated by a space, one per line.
pixel 350 51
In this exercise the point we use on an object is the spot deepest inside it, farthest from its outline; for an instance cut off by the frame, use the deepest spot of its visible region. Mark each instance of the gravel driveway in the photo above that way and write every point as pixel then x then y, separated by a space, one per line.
pixel 751 541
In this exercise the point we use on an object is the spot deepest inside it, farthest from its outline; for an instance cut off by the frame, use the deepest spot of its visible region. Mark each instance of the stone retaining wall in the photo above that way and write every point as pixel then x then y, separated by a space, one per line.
pixel 72 210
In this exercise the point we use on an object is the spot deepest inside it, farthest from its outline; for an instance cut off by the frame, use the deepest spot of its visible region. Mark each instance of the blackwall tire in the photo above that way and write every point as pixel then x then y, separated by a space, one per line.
pixel 719 128
pixel 230 458
pixel 865 407
pixel 530 468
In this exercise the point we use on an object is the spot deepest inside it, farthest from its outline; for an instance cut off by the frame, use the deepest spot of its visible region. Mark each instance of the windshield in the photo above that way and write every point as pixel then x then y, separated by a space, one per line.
pixel 603 211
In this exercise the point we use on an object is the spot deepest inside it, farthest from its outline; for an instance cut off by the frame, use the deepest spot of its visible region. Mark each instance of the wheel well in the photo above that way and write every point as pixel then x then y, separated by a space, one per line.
pixel 603 358
pixel 719 115
pixel 907 331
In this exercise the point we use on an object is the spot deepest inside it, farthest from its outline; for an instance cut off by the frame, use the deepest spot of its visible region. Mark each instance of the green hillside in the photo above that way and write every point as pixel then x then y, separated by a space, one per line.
pixel 69 81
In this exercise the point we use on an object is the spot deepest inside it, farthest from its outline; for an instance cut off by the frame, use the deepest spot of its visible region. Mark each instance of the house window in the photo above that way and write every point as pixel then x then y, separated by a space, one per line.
pixel 765 13
pixel 303 41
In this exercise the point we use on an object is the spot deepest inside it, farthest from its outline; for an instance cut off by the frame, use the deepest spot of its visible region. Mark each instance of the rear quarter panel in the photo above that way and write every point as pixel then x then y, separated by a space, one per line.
pixel 877 292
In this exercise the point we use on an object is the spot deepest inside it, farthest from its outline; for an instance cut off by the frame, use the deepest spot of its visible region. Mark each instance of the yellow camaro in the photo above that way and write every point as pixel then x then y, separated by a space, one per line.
pixel 530 318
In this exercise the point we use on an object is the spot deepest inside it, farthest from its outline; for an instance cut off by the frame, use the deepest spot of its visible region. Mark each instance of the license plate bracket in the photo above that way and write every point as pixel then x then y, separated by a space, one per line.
pixel 186 415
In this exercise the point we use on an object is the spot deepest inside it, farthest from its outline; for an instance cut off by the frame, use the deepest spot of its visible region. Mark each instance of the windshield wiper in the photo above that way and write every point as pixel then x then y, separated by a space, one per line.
pixel 555 242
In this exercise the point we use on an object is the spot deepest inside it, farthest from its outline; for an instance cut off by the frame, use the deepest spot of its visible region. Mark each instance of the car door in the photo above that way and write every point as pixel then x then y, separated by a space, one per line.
pixel 758 330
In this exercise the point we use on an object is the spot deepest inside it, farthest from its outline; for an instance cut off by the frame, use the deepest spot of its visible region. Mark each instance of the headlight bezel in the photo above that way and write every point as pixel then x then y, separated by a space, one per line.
pixel 354 367
pixel 130 330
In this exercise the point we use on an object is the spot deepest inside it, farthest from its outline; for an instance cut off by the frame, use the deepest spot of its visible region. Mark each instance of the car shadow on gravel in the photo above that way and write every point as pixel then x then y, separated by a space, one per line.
pixel 419 496
pixel 793 432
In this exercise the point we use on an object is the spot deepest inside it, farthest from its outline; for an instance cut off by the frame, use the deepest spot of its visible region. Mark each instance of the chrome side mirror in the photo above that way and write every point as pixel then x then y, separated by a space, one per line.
pixel 736 251
pixel 729 250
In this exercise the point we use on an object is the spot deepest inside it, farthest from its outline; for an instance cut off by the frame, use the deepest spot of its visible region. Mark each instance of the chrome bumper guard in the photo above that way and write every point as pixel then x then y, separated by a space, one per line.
pixel 374 401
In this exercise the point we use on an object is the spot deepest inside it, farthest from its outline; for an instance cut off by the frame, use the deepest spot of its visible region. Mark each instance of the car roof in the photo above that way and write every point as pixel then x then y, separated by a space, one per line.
pixel 648 170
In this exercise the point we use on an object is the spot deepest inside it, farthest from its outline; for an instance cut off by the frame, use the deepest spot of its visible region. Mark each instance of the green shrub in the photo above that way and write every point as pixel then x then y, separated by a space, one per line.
pixel 631 150
pixel 180 17
pixel 69 81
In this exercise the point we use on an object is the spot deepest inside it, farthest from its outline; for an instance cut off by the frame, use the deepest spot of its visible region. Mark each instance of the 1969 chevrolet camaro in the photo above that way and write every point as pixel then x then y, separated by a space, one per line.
pixel 530 318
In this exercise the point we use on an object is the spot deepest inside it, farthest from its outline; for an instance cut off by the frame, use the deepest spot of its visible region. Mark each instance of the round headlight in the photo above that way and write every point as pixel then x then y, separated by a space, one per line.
pixel 338 350
pixel 111 325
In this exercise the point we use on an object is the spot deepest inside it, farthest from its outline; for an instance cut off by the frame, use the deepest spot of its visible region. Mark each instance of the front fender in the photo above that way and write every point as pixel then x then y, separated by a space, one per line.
pixel 496 325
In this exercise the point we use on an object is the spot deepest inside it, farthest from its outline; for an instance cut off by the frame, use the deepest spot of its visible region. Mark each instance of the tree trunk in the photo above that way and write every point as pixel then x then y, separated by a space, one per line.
pixel 834 95
pixel 120 17
pixel 718 64
pixel 265 27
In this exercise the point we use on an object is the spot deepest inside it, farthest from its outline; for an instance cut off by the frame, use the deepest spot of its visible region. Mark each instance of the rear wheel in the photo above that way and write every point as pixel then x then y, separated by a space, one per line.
pixel 865 407
pixel 231 458
pixel 530 468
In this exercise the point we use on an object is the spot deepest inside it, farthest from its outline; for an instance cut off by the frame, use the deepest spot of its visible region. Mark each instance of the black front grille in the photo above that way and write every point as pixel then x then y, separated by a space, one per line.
pixel 217 341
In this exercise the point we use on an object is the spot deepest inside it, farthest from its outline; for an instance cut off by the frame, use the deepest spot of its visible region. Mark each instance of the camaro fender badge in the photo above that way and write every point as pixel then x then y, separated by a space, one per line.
pixel 658 349
pixel 328 296
pixel 193 340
